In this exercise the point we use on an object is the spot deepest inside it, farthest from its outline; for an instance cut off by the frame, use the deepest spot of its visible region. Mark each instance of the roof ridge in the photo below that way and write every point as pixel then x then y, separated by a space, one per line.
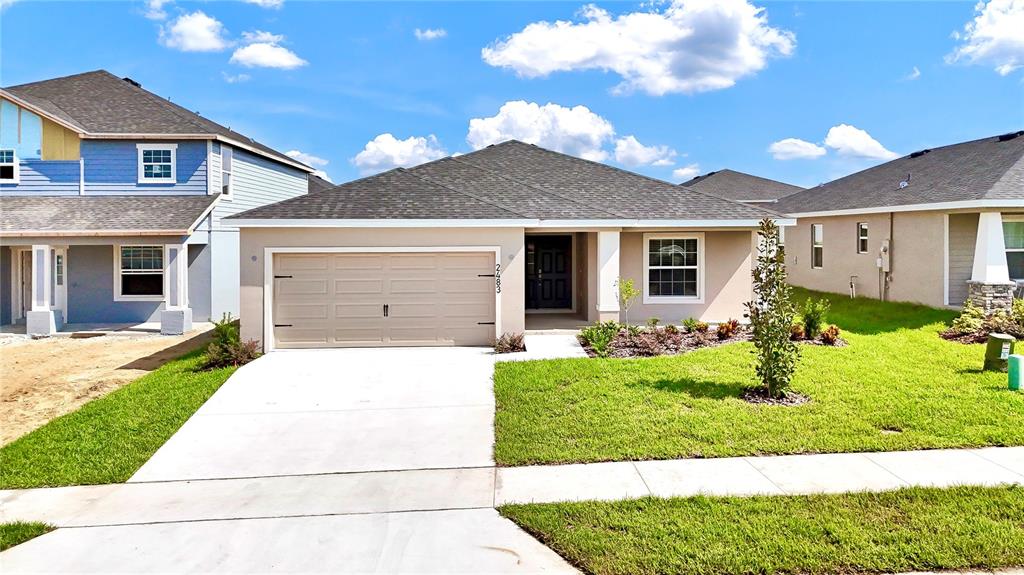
pixel 467 194
pixel 96 71
pixel 539 188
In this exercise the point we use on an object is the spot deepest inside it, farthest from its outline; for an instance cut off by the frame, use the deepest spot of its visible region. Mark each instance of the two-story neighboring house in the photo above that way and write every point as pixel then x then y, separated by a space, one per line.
pixel 111 201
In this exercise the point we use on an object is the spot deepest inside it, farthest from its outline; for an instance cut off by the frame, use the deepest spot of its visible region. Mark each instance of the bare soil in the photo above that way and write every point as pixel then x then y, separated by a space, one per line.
pixel 46 378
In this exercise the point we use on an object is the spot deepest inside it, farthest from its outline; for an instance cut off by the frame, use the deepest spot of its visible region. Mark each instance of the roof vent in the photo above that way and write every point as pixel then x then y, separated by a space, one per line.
pixel 1010 136
pixel 920 153
pixel 906 182
pixel 132 82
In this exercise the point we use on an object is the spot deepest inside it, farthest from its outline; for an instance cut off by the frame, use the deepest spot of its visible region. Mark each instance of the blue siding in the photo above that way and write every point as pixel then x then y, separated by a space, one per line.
pixel 257 181
pixel 50 177
pixel 91 290
pixel 112 167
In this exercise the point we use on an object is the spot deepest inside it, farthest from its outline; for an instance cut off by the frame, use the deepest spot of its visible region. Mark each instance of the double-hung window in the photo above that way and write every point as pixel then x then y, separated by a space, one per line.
pixel 8 166
pixel 157 163
pixel 817 245
pixel 227 160
pixel 673 268
pixel 862 238
pixel 139 273
pixel 1013 237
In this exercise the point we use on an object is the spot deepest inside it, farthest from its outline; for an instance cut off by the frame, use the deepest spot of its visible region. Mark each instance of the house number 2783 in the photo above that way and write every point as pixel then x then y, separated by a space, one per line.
pixel 497 278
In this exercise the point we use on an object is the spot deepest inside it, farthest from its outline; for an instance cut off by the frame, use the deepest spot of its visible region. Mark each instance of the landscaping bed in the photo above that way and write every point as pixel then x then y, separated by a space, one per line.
pixel 631 341
pixel 896 386
pixel 914 529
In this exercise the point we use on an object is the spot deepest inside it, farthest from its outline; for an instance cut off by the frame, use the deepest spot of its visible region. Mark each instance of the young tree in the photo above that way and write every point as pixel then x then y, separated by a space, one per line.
pixel 627 295
pixel 771 314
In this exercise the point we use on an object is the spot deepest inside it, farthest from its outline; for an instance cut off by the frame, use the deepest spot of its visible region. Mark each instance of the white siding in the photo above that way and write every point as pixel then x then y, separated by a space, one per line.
pixel 963 230
pixel 258 181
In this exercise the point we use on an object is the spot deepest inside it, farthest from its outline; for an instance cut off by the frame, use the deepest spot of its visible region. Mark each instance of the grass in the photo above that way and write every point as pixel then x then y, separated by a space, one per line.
pixel 18 532
pixel 916 529
pixel 896 386
pixel 108 439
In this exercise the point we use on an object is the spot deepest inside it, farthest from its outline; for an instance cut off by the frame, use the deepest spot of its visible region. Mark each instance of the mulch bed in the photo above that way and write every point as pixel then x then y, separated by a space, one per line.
pixel 759 395
pixel 965 338
pixel 839 342
pixel 650 343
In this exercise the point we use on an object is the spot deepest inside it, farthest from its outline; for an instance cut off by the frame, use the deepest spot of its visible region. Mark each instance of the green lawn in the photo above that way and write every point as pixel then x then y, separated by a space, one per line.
pixel 16 533
pixel 913 529
pixel 896 386
pixel 108 439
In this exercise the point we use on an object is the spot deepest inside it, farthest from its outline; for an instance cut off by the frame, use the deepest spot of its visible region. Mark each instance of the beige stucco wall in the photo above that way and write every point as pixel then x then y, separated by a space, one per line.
pixel 253 241
pixel 728 256
pixel 917 255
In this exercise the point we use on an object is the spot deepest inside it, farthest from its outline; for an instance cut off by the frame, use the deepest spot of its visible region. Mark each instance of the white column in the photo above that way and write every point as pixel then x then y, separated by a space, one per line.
pixel 607 275
pixel 990 251
pixel 176 269
pixel 42 277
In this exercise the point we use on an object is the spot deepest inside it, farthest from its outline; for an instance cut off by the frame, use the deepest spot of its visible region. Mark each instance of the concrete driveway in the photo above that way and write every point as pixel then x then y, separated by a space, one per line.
pixel 338 411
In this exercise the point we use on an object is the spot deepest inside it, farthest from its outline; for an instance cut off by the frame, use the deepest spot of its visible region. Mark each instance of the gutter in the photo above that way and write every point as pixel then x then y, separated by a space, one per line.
pixel 496 223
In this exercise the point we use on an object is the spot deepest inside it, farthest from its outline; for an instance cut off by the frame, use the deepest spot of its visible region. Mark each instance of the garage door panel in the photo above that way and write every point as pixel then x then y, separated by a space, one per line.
pixel 432 298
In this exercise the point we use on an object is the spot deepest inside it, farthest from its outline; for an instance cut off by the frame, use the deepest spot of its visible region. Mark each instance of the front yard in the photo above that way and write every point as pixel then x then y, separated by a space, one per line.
pixel 896 386
pixel 913 529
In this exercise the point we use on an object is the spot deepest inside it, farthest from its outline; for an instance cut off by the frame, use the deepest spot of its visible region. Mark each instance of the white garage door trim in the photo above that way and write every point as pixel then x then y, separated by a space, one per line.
pixel 268 275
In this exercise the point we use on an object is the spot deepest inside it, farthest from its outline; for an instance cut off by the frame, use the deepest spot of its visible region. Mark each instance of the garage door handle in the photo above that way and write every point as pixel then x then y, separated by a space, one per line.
pixel 385 310
pixel 485 323
pixel 282 277
pixel 282 325
pixel 485 275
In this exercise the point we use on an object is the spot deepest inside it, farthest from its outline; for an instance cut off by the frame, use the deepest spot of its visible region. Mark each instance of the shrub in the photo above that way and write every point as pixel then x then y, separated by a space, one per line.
pixel 814 317
pixel 771 314
pixel 970 320
pixel 830 335
pixel 652 323
pixel 727 329
pixel 690 324
pixel 1018 311
pixel 627 295
pixel 701 327
pixel 648 345
pixel 796 332
pixel 227 348
pixel 671 329
pixel 509 343
pixel 600 336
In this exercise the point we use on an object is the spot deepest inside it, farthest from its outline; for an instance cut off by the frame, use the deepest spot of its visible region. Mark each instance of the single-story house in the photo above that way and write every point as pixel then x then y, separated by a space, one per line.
pixel 507 238
pixel 112 201
pixel 742 187
pixel 939 226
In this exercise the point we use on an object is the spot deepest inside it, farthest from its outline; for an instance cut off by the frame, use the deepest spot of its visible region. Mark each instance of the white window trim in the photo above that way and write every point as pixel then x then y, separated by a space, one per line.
pixel 17 168
pixel 174 163
pixel 230 195
pixel 1012 218
pixel 861 226
pixel 815 246
pixel 117 274
pixel 701 274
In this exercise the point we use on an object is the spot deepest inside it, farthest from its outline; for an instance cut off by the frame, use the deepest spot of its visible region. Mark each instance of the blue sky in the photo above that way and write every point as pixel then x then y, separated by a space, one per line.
pixel 670 90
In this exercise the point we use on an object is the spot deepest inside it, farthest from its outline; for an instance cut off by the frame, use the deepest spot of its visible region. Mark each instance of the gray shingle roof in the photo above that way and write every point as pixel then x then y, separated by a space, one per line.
pixel 131 214
pixel 315 184
pixel 741 187
pixel 511 180
pixel 100 103
pixel 985 169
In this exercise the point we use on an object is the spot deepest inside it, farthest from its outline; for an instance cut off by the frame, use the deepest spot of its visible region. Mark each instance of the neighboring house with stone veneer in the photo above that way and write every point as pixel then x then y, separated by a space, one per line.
pixel 938 226
pixel 111 205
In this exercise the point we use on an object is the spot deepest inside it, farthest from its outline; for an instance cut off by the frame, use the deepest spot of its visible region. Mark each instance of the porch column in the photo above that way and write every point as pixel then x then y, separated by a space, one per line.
pixel 608 276
pixel 41 319
pixel 990 287
pixel 176 318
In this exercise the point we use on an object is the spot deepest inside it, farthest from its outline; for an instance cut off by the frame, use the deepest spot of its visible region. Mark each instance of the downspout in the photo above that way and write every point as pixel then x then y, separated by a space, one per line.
pixel 888 274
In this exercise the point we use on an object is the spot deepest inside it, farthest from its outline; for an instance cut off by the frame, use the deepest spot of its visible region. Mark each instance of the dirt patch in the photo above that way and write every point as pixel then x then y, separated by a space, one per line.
pixel 759 395
pixel 43 379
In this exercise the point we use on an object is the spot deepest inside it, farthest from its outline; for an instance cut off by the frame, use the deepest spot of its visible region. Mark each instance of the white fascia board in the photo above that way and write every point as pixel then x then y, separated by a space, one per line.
pixel 962 205
pixel 782 221
pixel 381 223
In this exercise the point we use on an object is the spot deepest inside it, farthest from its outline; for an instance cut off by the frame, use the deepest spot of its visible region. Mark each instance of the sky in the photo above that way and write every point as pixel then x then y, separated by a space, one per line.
pixel 802 92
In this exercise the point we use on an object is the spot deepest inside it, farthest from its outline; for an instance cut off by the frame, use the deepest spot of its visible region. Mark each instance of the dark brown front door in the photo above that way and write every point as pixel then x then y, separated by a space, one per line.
pixel 549 272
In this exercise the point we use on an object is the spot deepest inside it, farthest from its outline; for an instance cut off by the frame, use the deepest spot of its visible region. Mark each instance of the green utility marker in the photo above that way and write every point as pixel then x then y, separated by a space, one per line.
pixel 999 348
pixel 1016 371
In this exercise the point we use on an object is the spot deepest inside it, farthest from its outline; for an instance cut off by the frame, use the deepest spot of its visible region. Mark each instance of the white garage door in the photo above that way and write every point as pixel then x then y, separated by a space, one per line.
pixel 383 299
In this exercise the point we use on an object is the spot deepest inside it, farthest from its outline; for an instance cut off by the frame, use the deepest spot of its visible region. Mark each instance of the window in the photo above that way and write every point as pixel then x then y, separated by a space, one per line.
pixel 227 157
pixel 817 245
pixel 140 272
pixel 156 163
pixel 1013 237
pixel 58 269
pixel 673 268
pixel 862 238
pixel 8 166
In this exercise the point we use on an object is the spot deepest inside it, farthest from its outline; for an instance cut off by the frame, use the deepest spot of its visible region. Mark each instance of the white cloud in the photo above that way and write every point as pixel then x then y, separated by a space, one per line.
pixel 630 152
pixel 690 46
pixel 264 50
pixel 576 131
pixel 430 34
pixel 195 32
pixel 913 75
pixel 266 3
pixel 385 152
pixel 155 9
pixel 795 149
pixel 686 172
pixel 4 4
pixel 235 78
pixel 993 37
pixel 851 141
pixel 308 159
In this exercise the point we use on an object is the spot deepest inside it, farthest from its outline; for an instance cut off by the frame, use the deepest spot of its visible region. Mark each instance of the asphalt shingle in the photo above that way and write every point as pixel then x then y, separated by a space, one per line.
pixel 733 185
pixel 138 213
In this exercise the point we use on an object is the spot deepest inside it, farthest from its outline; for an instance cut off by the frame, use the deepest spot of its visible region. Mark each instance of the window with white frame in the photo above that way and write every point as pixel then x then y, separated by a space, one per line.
pixel 817 245
pixel 227 159
pixel 862 238
pixel 156 163
pixel 673 267
pixel 140 272
pixel 1013 237
pixel 8 166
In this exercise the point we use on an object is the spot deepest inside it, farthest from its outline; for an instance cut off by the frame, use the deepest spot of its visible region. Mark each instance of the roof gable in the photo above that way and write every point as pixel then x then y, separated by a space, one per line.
pixel 742 187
